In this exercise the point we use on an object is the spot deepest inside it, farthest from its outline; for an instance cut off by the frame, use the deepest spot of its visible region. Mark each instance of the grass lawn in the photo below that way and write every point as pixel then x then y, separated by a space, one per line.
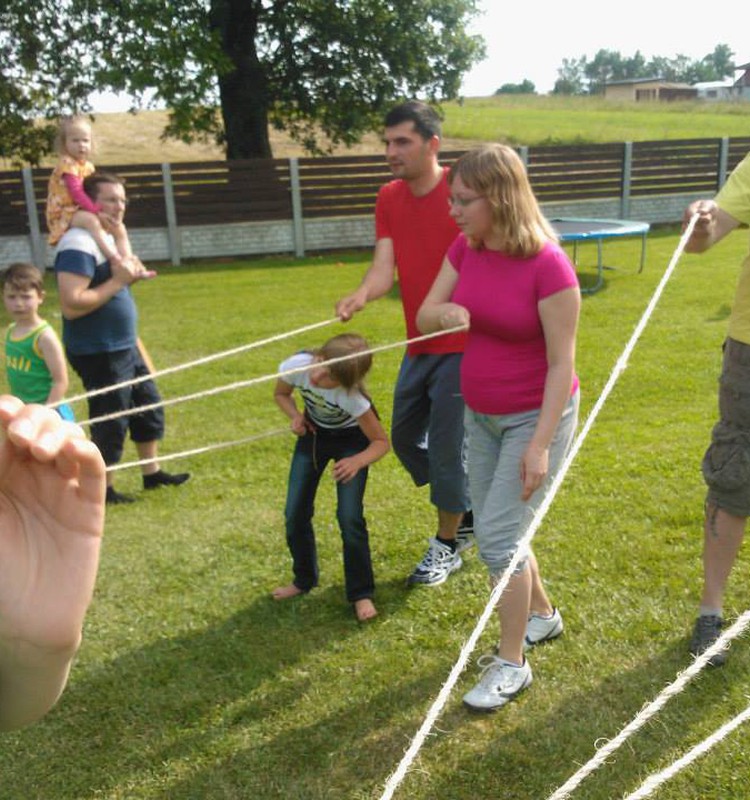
pixel 193 684
pixel 515 119
pixel 535 120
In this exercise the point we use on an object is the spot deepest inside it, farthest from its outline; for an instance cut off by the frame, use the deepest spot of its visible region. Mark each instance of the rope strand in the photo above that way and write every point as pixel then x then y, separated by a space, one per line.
pixel 400 773
pixel 654 781
pixel 652 708
pixel 196 451
pixel 198 362
pixel 263 378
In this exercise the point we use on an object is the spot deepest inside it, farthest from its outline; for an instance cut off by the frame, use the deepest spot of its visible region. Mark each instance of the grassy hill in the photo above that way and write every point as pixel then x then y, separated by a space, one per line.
pixel 135 138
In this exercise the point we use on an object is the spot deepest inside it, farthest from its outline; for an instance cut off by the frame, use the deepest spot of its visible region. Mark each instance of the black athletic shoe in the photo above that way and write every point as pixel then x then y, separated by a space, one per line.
pixel 114 498
pixel 705 632
pixel 161 478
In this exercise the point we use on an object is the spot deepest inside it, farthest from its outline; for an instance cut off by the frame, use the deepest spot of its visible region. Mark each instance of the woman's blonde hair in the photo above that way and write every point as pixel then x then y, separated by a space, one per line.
pixel 64 124
pixel 350 373
pixel 496 172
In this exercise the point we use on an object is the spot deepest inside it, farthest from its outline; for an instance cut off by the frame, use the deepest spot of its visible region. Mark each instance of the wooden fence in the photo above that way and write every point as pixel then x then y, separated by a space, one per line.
pixel 203 193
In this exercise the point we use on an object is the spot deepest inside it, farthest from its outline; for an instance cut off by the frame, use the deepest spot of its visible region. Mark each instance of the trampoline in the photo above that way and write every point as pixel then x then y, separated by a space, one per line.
pixel 580 229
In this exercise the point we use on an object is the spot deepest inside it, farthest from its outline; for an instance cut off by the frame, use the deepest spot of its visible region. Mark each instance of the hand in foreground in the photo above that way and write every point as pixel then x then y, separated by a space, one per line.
pixel 51 520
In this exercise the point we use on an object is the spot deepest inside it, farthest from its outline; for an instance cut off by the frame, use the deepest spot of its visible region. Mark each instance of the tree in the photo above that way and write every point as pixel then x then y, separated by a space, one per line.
pixel 571 78
pixel 325 70
pixel 579 76
pixel 525 87
pixel 610 65
pixel 720 63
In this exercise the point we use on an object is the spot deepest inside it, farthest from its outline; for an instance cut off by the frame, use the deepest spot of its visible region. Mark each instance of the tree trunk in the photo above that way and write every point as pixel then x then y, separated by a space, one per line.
pixel 242 90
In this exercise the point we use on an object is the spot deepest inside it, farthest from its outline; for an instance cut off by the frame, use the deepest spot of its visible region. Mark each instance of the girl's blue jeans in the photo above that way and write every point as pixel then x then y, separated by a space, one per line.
pixel 311 455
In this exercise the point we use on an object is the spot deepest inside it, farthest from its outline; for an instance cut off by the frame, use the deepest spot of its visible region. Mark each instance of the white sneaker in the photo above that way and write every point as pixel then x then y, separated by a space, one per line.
pixel 436 565
pixel 541 629
pixel 499 683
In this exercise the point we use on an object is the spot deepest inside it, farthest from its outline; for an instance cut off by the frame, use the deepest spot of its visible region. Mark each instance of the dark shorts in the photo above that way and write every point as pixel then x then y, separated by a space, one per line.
pixel 726 464
pixel 106 369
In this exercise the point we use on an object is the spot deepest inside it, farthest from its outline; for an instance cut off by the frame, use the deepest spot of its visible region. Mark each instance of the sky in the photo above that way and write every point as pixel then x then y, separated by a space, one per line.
pixel 531 41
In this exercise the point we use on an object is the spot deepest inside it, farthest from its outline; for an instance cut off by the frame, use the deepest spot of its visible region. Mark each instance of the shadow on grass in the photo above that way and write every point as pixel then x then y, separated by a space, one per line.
pixel 172 700
pixel 341 755
pixel 528 756
pixel 212 716
pixel 220 264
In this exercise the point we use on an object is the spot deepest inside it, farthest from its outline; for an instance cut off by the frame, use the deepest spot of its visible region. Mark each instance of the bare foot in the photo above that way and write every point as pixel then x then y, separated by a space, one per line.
pixel 365 610
pixel 285 592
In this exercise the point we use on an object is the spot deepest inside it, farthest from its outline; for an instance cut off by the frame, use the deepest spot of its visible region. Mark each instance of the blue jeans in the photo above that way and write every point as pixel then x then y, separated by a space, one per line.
pixel 427 402
pixel 311 455
pixel 496 445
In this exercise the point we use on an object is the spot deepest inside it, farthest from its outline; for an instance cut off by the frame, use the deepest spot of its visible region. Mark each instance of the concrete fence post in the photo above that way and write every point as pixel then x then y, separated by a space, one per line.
pixel 298 227
pixel 173 233
pixel 721 172
pixel 38 248
pixel 627 171
pixel 523 154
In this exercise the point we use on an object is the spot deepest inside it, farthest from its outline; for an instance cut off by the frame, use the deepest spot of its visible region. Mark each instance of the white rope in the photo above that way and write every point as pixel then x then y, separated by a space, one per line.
pixel 400 773
pixel 196 451
pixel 199 361
pixel 654 781
pixel 264 378
pixel 653 707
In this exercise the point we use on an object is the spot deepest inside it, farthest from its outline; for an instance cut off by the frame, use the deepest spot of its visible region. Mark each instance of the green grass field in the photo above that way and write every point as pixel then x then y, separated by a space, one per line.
pixel 192 684
pixel 518 120
pixel 531 120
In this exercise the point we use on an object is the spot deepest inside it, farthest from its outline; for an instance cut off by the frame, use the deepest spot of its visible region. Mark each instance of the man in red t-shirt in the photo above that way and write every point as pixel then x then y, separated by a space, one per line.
pixel 413 230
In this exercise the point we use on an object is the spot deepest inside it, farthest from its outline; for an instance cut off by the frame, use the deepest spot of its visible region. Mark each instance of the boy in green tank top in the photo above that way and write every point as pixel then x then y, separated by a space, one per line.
pixel 34 359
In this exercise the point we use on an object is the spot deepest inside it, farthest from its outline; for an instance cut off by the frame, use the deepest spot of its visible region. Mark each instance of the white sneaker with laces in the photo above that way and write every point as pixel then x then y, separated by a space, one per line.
pixel 542 629
pixel 499 682
pixel 436 565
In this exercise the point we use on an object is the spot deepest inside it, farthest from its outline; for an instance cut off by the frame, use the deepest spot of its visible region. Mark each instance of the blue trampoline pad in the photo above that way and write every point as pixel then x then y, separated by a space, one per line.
pixel 581 229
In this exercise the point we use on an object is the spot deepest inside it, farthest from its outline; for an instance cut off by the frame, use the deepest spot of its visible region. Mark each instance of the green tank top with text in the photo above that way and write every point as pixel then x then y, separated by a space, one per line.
pixel 28 375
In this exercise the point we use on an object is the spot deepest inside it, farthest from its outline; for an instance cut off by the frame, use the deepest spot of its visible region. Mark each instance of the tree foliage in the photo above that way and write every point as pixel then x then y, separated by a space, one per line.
pixel 571 77
pixel 583 76
pixel 525 87
pixel 325 70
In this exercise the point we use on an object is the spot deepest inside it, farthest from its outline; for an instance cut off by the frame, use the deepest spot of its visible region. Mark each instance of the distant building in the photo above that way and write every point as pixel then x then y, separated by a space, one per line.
pixel 716 90
pixel 742 84
pixel 645 89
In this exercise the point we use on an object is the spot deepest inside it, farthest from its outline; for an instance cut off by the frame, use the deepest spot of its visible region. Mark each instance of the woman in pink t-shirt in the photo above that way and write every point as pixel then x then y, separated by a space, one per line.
pixel 510 282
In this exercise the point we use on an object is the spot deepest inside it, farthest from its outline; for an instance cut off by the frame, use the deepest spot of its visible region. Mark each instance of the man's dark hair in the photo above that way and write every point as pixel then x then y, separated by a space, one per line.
pixel 425 118
pixel 95 180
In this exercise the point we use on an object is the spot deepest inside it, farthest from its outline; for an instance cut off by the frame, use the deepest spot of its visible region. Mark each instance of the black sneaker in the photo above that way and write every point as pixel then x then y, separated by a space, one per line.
pixel 114 498
pixel 705 632
pixel 161 478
